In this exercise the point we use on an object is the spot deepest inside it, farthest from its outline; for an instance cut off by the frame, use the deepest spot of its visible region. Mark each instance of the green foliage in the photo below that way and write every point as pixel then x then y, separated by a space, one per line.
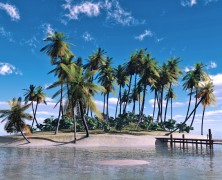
pixel 155 126
pixel 170 124
pixel 183 127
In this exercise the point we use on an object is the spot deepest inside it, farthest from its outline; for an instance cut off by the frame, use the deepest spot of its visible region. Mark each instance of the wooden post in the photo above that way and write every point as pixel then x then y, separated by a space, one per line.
pixel 210 139
pixel 171 140
pixel 183 140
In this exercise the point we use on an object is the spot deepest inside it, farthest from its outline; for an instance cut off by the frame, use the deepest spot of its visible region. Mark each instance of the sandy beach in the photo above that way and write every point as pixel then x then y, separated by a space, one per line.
pixel 95 140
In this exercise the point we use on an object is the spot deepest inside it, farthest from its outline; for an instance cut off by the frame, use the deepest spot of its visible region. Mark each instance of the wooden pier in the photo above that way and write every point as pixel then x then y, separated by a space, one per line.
pixel 194 141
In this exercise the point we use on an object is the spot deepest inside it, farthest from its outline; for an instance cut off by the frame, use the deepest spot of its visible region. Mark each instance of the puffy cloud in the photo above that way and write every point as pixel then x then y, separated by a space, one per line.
pixel 212 65
pixel 11 10
pixel 113 100
pixel 146 33
pixel 5 34
pixel 113 10
pixel 87 8
pixel 87 36
pixel 7 69
pixel 188 3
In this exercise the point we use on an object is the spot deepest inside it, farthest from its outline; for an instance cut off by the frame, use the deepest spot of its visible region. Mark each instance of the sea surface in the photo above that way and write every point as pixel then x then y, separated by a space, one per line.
pixel 84 164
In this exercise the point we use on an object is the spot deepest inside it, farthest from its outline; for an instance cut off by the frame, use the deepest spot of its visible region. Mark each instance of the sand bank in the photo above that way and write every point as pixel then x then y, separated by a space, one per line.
pixel 95 140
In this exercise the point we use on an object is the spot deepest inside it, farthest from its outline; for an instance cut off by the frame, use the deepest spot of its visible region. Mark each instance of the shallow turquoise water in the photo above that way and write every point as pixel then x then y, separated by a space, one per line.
pixel 72 163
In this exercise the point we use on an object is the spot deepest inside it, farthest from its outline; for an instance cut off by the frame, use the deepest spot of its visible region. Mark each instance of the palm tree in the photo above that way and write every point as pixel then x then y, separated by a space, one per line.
pixel 122 80
pixel 175 74
pixel 39 98
pixel 107 79
pixel 16 116
pixel 149 74
pixel 79 91
pixel 30 97
pixel 169 95
pixel 58 47
pixel 206 96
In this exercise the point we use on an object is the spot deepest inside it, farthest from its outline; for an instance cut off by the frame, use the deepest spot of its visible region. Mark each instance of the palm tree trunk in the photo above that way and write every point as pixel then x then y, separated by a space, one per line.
pixel 194 112
pixel 171 108
pixel 33 111
pixel 127 98
pixel 57 127
pixel 139 102
pixel 202 120
pixel 104 103
pixel 120 100
pixel 186 118
pixel 24 135
pixel 36 107
pixel 134 106
pixel 143 104
pixel 74 121
pixel 107 106
pixel 83 118
pixel 161 105
pixel 166 110
pixel 188 109
pixel 61 105
pixel 154 104
pixel 158 103
pixel 116 107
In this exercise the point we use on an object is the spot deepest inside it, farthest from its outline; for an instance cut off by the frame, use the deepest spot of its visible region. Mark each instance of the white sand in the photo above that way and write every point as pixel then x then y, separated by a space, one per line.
pixel 95 140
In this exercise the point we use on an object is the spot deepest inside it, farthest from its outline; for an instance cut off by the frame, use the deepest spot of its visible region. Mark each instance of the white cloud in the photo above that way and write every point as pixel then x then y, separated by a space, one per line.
pixel 88 8
pixel 5 34
pixel 47 28
pixel 159 39
pixel 44 113
pixel 210 1
pixel 188 3
pixel 212 65
pixel 32 42
pixel 112 9
pixel 11 10
pixel 87 36
pixel 175 104
pixel 113 100
pixel 146 33
pixel 7 69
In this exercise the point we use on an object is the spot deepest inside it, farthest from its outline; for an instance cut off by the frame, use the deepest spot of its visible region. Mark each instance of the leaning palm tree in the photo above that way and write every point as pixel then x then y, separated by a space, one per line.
pixel 207 96
pixel 15 117
pixel 79 91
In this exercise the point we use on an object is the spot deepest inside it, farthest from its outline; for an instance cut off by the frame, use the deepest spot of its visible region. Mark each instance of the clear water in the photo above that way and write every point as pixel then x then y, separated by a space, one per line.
pixel 71 163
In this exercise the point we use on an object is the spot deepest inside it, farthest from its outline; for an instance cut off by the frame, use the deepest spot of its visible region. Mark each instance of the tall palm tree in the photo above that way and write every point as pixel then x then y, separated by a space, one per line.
pixel 107 79
pixel 30 97
pixel 39 98
pixel 122 80
pixel 164 80
pixel 16 116
pixel 148 75
pixel 133 68
pixel 206 94
pixel 169 95
pixel 173 66
pixel 58 49
pixel 79 91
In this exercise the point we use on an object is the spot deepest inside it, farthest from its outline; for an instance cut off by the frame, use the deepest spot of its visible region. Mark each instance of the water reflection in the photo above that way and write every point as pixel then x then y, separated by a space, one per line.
pixel 72 163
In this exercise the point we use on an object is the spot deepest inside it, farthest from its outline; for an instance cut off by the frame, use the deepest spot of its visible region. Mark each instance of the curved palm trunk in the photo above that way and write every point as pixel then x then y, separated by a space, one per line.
pixel 166 110
pixel 61 105
pixel 57 127
pixel 107 106
pixel 33 111
pixel 74 121
pixel 158 103
pixel 202 120
pixel 186 118
pixel 142 107
pixel 24 135
pixel 36 107
pixel 127 99
pixel 134 106
pixel 139 102
pixel 188 109
pixel 161 105
pixel 194 112
pixel 83 119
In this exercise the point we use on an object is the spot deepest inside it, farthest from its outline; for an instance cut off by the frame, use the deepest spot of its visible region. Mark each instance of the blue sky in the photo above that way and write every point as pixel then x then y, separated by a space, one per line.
pixel 189 29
